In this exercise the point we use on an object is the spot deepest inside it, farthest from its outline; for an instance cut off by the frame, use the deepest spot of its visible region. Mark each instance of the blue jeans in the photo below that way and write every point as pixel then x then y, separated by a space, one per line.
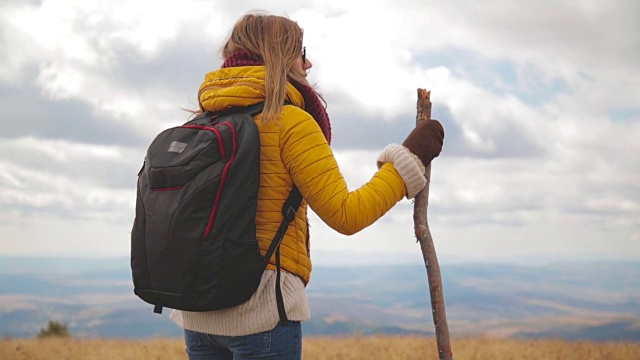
pixel 282 343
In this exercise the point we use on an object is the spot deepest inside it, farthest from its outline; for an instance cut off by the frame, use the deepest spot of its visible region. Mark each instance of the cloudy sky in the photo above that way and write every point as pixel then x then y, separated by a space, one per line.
pixel 540 101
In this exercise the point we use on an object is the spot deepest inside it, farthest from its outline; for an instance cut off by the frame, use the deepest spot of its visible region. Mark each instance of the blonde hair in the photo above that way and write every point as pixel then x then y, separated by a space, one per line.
pixel 278 41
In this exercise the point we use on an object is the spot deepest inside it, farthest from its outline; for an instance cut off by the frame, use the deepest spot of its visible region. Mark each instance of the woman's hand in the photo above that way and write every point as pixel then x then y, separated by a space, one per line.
pixel 425 141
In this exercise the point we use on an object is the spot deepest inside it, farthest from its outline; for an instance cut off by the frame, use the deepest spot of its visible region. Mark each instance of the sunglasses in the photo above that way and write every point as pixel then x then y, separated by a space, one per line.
pixel 304 55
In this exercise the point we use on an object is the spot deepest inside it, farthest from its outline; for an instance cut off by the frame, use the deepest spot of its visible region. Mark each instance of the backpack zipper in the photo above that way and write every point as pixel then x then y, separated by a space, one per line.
pixel 224 172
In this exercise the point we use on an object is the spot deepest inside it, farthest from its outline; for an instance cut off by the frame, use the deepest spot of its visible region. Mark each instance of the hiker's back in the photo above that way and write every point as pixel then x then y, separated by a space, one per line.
pixel 275 185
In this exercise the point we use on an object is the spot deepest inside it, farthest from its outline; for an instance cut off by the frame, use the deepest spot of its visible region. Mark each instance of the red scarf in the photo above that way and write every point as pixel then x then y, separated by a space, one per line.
pixel 312 103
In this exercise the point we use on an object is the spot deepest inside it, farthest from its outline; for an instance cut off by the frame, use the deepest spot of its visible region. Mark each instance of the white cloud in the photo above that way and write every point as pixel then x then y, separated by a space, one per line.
pixel 82 46
pixel 67 180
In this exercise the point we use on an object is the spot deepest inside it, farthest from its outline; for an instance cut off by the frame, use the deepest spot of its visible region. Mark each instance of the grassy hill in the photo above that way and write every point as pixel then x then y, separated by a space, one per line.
pixel 330 348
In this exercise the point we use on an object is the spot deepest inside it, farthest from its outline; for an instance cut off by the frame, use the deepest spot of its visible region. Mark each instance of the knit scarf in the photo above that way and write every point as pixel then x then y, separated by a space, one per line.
pixel 312 103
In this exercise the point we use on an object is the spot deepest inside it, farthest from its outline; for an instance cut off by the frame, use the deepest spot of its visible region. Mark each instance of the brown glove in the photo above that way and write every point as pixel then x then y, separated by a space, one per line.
pixel 425 141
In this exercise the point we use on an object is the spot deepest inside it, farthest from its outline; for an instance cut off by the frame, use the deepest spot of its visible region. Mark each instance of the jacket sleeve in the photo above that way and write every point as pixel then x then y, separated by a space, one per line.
pixel 314 169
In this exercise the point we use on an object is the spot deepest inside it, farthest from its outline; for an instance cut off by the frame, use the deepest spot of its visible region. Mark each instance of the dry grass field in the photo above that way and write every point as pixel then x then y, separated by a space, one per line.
pixel 326 348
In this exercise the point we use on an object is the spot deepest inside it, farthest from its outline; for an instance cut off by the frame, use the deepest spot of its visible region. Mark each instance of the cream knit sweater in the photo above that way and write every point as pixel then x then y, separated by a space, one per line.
pixel 258 314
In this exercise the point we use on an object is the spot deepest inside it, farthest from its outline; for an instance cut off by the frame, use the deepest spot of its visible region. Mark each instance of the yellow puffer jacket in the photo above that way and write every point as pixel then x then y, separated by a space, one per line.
pixel 294 150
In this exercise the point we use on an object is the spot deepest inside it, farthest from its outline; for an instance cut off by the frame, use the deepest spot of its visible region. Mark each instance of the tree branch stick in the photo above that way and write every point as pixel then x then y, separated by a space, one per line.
pixel 421 227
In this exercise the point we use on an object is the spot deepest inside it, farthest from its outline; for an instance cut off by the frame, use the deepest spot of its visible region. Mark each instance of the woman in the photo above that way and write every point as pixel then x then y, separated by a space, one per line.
pixel 265 60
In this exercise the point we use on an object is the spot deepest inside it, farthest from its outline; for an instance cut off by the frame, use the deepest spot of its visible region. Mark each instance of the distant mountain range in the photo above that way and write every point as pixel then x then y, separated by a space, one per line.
pixel 591 301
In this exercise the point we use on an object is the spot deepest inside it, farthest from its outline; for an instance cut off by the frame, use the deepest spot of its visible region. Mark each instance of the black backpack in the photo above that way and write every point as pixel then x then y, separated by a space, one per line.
pixel 193 242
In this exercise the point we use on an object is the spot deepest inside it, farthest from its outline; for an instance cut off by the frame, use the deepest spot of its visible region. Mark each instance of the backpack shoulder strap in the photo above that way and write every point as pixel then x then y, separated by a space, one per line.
pixel 289 210
pixel 206 117
pixel 254 109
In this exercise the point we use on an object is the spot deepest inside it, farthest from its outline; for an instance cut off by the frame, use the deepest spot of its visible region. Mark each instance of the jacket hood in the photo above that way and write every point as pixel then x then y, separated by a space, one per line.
pixel 239 87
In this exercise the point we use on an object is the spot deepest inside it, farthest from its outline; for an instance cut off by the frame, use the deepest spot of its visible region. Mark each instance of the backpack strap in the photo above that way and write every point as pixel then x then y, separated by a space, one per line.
pixel 205 117
pixel 289 210
pixel 254 109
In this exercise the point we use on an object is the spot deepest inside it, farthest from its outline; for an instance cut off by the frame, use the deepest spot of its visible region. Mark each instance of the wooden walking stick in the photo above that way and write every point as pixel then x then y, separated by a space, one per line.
pixel 421 227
